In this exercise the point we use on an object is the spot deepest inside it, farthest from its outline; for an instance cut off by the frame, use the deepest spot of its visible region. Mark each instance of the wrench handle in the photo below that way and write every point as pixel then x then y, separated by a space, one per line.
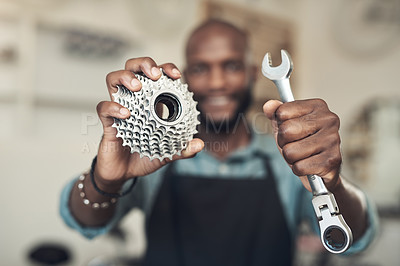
pixel 317 185
pixel 285 92
pixel 336 235
pixel 284 89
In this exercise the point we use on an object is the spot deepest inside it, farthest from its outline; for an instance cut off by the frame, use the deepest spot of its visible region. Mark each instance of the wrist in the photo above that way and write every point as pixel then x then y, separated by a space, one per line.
pixel 338 186
pixel 111 189
pixel 109 186
pixel 89 195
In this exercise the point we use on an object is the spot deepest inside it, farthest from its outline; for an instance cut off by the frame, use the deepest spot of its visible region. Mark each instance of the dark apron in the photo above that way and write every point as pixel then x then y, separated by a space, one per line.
pixel 198 221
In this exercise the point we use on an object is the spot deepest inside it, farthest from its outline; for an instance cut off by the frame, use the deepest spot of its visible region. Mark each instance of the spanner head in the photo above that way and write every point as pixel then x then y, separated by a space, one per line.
pixel 282 71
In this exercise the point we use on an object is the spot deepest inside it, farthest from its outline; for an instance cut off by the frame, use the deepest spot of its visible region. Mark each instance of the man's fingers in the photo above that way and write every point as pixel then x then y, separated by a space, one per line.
pixel 323 164
pixel 171 70
pixel 296 151
pixel 145 65
pixel 270 108
pixel 299 108
pixel 108 110
pixel 122 77
pixel 298 128
pixel 194 146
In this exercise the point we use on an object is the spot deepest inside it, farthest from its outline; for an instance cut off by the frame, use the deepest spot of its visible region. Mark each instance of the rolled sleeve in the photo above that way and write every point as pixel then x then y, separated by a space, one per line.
pixel 369 235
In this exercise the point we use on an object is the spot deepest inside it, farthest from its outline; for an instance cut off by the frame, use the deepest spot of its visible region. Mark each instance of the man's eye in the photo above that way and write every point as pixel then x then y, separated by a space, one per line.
pixel 234 66
pixel 198 69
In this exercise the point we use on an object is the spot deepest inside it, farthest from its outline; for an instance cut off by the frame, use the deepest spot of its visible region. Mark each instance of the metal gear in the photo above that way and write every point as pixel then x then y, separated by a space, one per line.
pixel 163 117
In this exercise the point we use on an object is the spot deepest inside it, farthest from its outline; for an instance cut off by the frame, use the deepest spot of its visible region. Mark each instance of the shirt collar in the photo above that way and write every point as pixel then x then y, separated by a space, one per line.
pixel 259 144
pixel 263 144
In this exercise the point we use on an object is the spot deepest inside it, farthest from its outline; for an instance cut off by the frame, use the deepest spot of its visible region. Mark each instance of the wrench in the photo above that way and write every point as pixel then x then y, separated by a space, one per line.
pixel 336 235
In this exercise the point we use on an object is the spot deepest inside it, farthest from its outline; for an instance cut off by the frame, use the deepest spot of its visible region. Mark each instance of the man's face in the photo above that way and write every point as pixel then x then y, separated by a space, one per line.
pixel 218 76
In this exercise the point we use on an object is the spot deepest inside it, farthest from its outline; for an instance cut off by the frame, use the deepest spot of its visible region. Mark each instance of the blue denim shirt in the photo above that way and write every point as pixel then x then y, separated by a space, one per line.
pixel 244 163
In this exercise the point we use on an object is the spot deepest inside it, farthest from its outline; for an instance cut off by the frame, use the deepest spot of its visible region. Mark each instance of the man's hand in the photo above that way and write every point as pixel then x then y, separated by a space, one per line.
pixel 115 163
pixel 307 134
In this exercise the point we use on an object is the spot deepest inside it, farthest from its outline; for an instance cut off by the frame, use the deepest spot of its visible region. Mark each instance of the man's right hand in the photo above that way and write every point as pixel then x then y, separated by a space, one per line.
pixel 115 163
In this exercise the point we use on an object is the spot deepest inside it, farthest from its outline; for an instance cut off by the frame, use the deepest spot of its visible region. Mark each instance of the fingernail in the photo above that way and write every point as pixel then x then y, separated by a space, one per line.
pixel 124 111
pixel 189 147
pixel 135 83
pixel 194 146
pixel 155 71
pixel 176 72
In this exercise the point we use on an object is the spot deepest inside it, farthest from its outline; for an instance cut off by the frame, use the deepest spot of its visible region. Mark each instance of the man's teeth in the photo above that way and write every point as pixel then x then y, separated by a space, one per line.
pixel 221 100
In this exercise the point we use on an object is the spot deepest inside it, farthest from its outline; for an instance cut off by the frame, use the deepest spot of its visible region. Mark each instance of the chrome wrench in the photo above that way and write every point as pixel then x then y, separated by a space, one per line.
pixel 336 235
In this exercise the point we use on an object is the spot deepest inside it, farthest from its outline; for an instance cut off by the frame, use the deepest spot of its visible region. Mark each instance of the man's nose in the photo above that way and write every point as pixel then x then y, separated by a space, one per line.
pixel 217 79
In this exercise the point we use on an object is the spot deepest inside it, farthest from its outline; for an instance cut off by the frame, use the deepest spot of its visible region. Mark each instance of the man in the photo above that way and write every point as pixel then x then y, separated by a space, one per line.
pixel 237 203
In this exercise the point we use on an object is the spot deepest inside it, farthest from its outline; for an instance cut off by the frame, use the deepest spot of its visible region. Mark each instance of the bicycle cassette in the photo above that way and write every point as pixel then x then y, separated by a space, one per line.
pixel 163 117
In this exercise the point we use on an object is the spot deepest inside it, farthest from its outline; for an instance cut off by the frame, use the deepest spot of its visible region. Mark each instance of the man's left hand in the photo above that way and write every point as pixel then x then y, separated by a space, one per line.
pixel 307 134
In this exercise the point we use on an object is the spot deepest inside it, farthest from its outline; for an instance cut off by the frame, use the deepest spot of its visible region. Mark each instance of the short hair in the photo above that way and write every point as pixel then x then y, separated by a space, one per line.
pixel 216 22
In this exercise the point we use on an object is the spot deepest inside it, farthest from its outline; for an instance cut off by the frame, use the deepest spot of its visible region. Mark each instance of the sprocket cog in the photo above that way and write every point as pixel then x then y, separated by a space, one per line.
pixel 163 117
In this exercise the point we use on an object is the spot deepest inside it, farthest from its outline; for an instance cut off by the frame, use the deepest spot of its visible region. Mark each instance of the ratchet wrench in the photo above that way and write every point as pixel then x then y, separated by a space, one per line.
pixel 336 235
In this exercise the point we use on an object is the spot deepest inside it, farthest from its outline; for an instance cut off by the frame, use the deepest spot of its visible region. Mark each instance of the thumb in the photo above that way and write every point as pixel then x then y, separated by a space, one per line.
pixel 270 108
pixel 194 146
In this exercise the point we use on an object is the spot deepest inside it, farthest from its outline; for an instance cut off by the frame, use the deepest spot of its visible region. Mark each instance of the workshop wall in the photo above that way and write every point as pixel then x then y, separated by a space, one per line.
pixel 53 62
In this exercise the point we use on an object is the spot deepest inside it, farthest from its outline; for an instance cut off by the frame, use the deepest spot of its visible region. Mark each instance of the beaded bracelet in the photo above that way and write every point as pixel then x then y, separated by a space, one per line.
pixel 86 201
pixel 111 195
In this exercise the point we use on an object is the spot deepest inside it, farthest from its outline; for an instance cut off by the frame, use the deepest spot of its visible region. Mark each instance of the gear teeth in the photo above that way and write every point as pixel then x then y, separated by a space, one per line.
pixel 146 133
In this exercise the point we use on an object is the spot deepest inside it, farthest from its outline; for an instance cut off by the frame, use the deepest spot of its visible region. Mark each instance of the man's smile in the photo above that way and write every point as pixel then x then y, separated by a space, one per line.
pixel 217 101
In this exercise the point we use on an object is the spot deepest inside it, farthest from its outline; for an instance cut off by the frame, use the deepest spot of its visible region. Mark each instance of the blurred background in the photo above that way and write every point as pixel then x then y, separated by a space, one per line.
pixel 55 54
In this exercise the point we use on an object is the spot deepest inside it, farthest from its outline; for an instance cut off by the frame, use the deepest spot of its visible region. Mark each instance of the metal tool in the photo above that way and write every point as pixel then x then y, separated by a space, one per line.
pixel 163 117
pixel 336 235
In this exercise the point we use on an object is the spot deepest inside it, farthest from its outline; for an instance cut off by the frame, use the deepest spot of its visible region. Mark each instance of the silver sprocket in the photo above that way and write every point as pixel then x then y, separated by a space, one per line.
pixel 145 131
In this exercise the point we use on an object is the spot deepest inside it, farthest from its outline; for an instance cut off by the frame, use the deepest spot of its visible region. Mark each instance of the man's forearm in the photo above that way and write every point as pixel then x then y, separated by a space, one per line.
pixel 352 205
pixel 85 214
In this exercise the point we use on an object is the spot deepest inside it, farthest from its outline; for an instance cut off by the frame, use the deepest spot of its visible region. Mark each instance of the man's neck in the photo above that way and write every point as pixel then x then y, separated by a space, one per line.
pixel 221 144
